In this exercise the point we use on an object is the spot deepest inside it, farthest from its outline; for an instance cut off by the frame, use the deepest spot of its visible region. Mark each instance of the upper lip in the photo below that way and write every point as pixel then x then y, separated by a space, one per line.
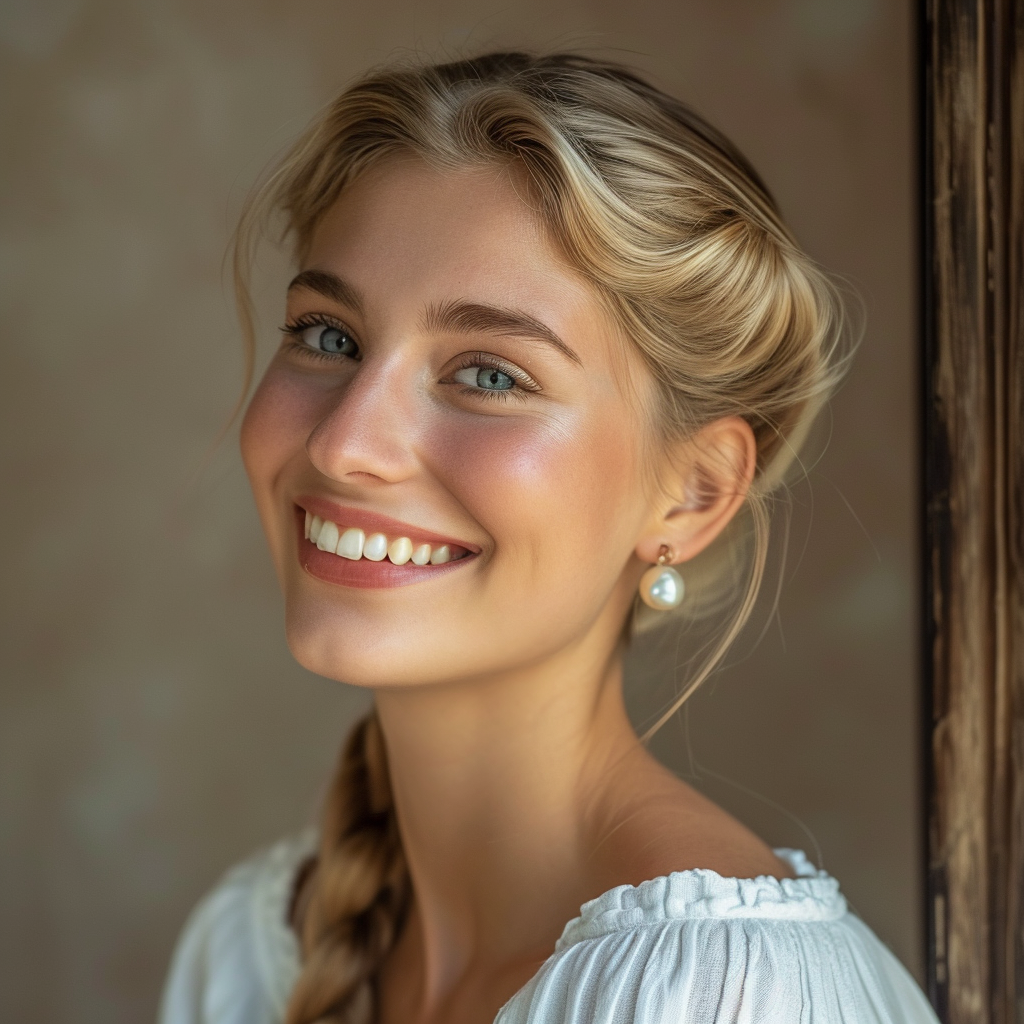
pixel 346 516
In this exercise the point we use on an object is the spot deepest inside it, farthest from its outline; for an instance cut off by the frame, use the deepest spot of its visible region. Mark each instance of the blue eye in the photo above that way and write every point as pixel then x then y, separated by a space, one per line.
pixel 332 340
pixel 487 378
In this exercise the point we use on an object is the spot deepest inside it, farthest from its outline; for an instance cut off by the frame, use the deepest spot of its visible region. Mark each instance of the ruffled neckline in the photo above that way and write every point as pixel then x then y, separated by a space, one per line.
pixel 700 893
pixel 694 894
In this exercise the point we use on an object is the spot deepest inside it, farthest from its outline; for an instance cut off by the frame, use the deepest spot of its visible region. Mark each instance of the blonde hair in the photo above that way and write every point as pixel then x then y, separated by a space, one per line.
pixel 681 239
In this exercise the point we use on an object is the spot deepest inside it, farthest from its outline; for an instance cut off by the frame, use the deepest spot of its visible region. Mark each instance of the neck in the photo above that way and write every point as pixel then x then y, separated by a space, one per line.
pixel 496 782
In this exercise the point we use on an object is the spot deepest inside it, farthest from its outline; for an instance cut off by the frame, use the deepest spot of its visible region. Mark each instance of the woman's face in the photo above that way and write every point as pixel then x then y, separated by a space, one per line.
pixel 447 379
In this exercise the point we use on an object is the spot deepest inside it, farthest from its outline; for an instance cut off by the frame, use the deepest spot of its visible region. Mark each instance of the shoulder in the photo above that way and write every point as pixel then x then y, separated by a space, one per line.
pixel 661 825
pixel 695 947
pixel 236 959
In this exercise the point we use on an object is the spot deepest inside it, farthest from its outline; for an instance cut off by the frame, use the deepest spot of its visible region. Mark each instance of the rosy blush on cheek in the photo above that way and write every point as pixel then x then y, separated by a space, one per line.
pixel 273 434
pixel 545 488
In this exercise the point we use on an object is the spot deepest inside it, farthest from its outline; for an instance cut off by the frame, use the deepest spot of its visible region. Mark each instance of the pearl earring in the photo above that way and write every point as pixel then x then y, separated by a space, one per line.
pixel 661 587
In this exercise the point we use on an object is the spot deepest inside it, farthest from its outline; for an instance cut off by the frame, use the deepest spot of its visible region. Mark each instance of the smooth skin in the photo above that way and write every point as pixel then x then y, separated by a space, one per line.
pixel 520 786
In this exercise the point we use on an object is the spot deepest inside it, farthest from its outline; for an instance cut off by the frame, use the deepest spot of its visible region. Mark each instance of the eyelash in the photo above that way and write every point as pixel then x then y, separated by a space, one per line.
pixel 524 383
pixel 294 328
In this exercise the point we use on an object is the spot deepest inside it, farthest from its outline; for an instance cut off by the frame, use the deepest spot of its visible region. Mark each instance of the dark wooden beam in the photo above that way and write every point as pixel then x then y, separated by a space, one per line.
pixel 973 326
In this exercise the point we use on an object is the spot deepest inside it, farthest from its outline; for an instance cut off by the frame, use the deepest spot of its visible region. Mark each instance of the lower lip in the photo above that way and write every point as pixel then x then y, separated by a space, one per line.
pixel 364 573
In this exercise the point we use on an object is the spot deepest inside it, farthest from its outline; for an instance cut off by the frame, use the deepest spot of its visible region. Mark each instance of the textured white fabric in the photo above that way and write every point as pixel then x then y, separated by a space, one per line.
pixel 690 948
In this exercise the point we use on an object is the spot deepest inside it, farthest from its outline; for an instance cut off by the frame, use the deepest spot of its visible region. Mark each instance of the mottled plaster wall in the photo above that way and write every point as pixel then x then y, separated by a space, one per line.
pixel 153 728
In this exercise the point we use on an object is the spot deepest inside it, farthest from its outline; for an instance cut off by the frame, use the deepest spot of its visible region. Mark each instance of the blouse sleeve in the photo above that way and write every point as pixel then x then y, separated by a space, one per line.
pixel 724 972
pixel 236 959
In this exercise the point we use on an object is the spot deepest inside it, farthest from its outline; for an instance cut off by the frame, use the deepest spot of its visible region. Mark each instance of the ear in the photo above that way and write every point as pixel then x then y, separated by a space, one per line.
pixel 705 481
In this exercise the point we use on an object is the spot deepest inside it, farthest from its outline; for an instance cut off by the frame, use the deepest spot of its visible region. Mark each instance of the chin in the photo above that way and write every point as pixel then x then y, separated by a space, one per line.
pixel 379 643
pixel 351 648
pixel 384 643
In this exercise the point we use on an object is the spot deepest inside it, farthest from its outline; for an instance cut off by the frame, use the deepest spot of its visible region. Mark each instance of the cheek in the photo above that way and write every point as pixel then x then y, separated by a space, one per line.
pixel 273 436
pixel 547 491
pixel 274 427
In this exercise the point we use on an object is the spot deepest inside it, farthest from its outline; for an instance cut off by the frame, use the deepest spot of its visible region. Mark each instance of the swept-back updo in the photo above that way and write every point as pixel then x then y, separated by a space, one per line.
pixel 683 243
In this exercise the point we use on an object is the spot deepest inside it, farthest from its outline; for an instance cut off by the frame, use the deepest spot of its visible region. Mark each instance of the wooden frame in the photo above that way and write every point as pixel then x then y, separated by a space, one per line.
pixel 973 290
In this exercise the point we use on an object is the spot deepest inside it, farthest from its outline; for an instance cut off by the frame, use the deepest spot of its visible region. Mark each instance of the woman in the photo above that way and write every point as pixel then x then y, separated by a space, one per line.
pixel 548 341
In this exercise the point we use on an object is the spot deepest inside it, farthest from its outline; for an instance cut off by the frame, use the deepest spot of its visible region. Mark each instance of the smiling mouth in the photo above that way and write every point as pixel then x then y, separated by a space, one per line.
pixel 356 545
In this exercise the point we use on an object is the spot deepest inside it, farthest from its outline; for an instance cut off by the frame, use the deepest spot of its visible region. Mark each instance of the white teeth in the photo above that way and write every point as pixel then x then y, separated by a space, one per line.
pixel 376 547
pixel 400 550
pixel 351 544
pixel 327 539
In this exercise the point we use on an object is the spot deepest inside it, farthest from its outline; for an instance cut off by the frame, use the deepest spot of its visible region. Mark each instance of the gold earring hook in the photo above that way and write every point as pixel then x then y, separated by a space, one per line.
pixel 665 555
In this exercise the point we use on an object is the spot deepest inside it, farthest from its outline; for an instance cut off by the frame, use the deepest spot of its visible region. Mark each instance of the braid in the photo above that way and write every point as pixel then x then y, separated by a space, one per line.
pixel 357 892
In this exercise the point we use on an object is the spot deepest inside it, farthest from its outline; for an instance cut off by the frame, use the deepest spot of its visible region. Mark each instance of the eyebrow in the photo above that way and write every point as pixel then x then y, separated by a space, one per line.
pixel 329 285
pixel 461 317
pixel 456 316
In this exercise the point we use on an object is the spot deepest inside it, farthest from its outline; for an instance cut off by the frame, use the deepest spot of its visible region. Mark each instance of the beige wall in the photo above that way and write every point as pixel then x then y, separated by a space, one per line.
pixel 153 728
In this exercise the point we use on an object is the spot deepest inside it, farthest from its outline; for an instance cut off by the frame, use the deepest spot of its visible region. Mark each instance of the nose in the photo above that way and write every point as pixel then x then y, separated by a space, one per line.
pixel 369 428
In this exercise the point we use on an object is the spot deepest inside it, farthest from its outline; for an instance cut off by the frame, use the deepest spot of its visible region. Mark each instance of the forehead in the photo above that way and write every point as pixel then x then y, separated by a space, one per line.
pixel 407 235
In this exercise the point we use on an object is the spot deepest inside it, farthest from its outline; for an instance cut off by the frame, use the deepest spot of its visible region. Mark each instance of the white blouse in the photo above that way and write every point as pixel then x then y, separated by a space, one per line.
pixel 688 948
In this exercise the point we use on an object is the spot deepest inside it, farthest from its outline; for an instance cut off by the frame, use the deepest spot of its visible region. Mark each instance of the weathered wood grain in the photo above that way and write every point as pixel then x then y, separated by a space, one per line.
pixel 973 221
